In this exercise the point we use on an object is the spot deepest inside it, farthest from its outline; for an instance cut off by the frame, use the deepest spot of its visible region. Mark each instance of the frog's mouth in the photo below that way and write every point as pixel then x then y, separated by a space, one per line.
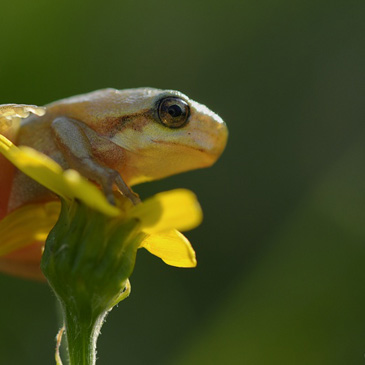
pixel 178 148
pixel 162 160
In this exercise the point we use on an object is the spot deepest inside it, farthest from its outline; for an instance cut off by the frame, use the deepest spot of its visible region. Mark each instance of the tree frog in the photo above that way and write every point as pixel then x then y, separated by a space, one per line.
pixel 119 138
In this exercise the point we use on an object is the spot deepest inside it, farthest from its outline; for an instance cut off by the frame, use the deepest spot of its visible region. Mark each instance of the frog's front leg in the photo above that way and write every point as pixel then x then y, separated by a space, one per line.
pixel 75 145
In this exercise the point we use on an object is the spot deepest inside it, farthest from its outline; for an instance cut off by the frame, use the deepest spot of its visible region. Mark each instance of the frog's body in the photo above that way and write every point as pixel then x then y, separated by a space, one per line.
pixel 119 138
pixel 114 138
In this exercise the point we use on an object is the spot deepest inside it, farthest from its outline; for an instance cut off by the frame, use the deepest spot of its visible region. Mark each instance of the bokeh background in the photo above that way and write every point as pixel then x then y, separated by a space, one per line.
pixel 281 252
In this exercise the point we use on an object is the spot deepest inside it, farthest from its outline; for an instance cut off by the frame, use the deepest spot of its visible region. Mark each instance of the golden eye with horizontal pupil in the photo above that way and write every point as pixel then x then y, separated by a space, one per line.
pixel 173 112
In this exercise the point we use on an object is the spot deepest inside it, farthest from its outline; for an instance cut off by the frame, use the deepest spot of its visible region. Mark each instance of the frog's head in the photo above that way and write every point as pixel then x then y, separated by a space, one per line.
pixel 164 133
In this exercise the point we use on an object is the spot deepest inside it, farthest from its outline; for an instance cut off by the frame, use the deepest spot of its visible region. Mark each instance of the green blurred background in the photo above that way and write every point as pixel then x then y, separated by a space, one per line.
pixel 281 252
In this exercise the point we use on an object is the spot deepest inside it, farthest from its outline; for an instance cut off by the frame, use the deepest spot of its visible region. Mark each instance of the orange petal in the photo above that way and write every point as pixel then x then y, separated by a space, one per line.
pixel 24 263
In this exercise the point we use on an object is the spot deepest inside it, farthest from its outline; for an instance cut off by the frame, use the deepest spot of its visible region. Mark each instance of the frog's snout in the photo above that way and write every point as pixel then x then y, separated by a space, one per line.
pixel 221 137
pixel 210 132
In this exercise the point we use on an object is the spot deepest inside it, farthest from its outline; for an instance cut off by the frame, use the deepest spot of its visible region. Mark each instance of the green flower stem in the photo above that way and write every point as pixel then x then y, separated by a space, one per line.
pixel 87 261
pixel 81 338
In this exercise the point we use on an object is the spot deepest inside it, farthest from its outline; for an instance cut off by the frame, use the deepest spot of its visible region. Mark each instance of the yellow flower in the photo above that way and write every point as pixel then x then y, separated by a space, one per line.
pixel 24 230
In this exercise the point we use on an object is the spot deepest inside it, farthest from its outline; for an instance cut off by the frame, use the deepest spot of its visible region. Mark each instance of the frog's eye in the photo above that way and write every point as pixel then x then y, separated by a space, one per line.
pixel 173 112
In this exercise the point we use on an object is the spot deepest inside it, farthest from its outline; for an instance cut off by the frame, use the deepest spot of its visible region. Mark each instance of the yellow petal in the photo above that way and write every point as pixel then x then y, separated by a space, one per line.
pixel 26 225
pixel 178 209
pixel 67 184
pixel 172 247
pixel 82 189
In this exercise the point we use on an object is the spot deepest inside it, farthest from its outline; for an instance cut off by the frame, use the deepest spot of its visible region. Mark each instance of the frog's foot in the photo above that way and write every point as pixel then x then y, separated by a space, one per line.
pixel 10 114
pixel 107 178
pixel 10 111
pixel 127 191
pixel 107 181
